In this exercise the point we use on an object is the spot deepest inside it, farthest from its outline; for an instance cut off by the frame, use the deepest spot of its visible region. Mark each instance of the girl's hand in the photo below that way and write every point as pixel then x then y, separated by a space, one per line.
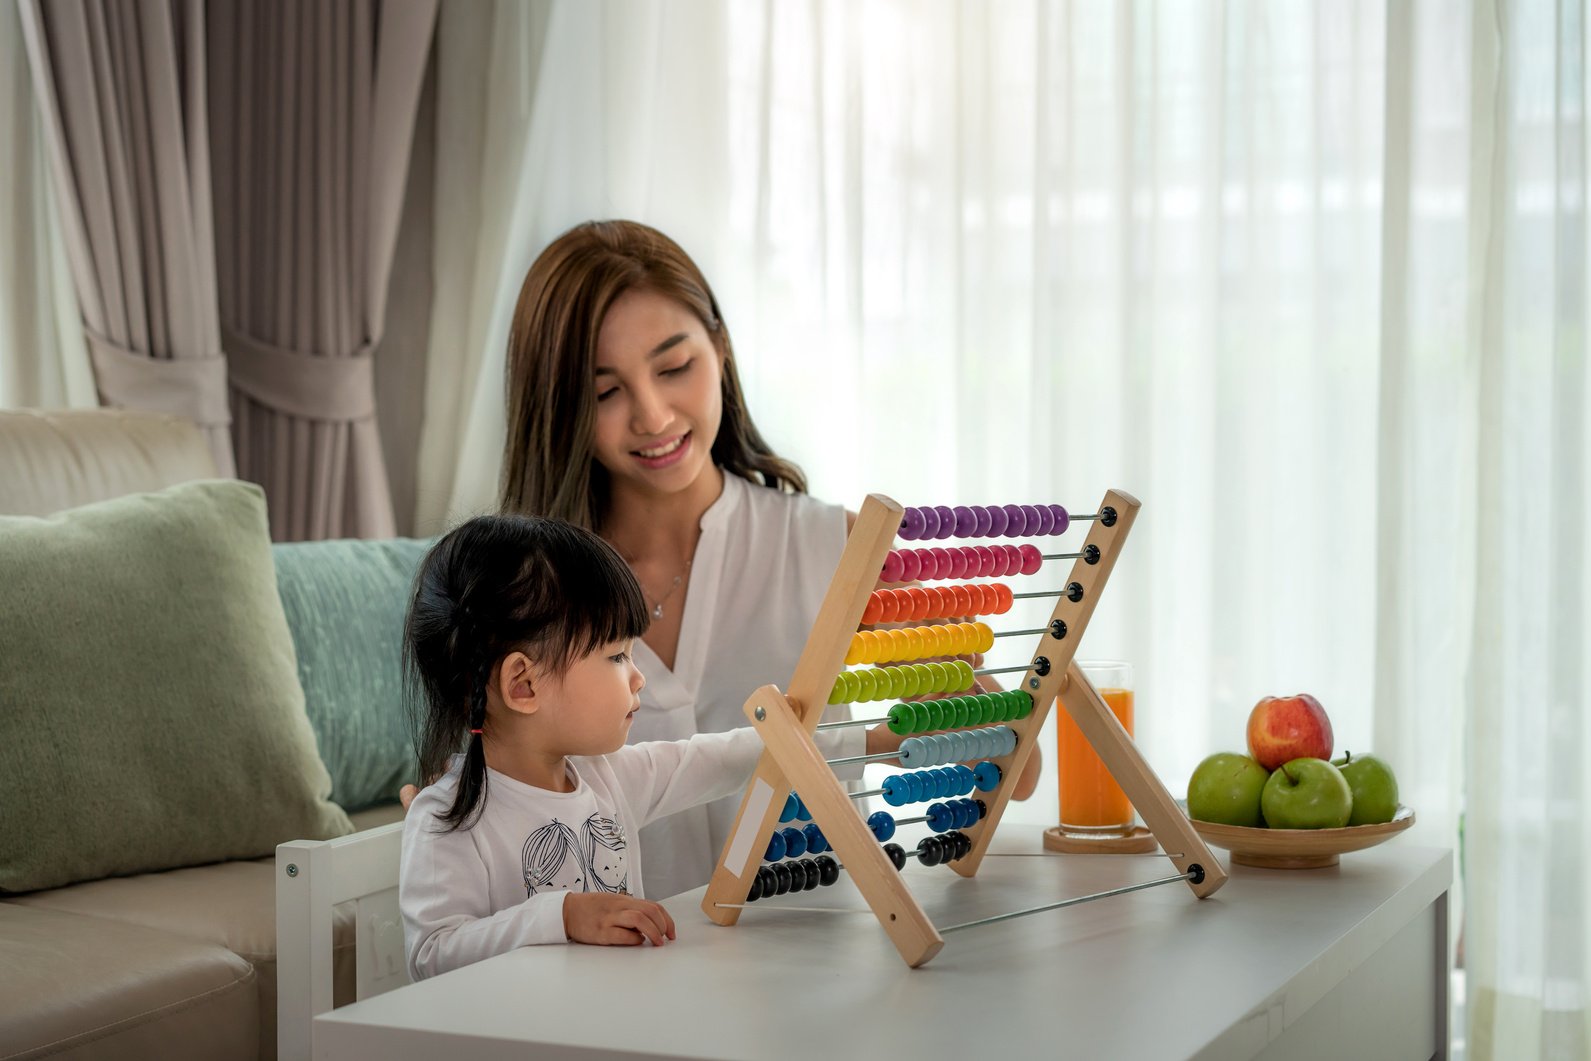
pixel 406 796
pixel 615 920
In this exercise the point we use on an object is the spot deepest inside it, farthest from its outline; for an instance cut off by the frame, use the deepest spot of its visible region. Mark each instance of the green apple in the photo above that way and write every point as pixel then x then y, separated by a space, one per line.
pixel 1225 788
pixel 1375 788
pixel 1307 794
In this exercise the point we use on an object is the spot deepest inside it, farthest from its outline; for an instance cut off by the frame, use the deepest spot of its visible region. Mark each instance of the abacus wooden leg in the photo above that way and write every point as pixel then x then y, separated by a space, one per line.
pixel 1132 772
pixel 759 813
pixel 875 877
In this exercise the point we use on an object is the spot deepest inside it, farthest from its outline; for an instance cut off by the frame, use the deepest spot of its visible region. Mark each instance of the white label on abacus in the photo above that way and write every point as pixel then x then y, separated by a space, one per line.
pixel 745 842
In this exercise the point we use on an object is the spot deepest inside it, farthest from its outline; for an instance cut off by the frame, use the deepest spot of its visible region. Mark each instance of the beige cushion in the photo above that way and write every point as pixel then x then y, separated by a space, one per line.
pixel 150 711
pixel 97 988
pixel 50 461
pixel 232 905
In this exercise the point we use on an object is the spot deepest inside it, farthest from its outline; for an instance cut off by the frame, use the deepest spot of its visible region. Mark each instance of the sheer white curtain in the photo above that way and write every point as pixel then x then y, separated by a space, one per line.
pixel 1307 278
pixel 1527 832
pixel 43 358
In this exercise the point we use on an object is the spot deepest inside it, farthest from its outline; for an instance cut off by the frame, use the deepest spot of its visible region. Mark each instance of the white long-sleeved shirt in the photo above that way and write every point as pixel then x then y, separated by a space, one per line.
pixel 468 894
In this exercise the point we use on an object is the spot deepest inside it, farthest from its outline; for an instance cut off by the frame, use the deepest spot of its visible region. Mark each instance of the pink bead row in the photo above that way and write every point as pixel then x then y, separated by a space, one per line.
pixel 961 561
pixel 920 523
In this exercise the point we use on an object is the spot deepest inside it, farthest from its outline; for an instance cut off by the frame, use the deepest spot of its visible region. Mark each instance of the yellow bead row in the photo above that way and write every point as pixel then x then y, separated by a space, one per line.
pixel 919 642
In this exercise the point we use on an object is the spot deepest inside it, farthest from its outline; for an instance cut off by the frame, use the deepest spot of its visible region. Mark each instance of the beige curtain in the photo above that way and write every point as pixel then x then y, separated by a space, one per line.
pixel 121 90
pixel 312 114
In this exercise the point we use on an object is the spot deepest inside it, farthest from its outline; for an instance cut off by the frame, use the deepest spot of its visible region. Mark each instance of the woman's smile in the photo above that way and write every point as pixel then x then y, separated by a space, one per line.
pixel 670 451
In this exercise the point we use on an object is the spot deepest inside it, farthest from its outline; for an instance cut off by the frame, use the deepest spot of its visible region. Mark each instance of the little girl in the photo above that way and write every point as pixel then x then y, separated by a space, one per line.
pixel 519 638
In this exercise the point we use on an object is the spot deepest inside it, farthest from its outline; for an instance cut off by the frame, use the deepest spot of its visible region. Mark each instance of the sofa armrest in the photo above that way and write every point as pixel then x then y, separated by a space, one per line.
pixel 312 877
pixel 58 459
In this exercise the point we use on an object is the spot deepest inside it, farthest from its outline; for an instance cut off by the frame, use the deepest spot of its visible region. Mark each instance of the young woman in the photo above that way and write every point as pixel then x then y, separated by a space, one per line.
pixel 626 416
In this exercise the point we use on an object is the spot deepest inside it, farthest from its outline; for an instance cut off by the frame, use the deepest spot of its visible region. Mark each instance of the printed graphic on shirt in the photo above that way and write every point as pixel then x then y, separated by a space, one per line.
pixel 556 858
pixel 605 854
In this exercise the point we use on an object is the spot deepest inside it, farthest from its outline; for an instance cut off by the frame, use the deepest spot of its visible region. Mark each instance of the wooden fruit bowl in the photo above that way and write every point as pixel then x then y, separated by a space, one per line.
pixel 1298 848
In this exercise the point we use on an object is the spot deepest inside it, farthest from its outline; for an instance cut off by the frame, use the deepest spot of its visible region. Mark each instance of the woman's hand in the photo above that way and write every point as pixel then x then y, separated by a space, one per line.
pixel 1028 781
pixel 615 920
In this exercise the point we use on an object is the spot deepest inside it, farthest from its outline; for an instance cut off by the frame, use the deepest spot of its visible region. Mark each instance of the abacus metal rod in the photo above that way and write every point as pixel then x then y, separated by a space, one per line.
pixel 1074 901
pixel 1004 670
pixel 1042 593
pixel 880 757
pixel 1023 633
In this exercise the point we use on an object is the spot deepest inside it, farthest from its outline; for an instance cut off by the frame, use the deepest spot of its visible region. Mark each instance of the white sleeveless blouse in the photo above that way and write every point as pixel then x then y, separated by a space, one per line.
pixel 762 566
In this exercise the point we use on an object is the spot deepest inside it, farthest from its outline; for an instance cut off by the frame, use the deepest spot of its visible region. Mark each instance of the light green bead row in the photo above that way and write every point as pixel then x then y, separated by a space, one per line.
pixel 895 683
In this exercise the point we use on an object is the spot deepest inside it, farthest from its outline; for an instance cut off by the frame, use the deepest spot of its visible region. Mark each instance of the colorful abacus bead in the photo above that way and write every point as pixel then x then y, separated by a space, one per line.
pixel 795 842
pixel 775 848
pixel 897 855
pixel 986 776
pixel 817 843
pixel 882 824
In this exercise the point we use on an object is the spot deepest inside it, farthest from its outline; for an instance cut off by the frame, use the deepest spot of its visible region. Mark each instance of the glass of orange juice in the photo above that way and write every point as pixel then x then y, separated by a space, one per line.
pixel 1092 804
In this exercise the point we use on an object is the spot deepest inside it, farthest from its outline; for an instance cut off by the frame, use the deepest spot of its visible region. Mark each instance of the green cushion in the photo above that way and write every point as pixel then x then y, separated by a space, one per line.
pixel 150 713
pixel 345 602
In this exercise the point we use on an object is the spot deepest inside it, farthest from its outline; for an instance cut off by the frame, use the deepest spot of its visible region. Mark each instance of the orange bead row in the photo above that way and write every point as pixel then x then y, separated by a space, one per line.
pixel 919 642
pixel 936 602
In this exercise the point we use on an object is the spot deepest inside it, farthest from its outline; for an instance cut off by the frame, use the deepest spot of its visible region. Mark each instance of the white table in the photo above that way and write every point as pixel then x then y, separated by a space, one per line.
pixel 1334 963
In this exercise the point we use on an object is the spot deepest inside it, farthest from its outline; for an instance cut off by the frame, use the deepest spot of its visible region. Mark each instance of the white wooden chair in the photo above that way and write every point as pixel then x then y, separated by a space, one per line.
pixel 313 877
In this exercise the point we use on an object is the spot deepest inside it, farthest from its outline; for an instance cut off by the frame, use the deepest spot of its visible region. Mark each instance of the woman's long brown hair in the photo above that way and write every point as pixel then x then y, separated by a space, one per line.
pixel 549 468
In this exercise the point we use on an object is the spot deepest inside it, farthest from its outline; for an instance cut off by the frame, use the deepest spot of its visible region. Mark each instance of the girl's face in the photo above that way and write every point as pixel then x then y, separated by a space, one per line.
pixel 591 705
pixel 659 385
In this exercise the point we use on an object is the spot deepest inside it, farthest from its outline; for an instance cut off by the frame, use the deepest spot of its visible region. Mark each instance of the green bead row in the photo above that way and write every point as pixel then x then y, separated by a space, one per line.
pixel 908 679
pixel 959 712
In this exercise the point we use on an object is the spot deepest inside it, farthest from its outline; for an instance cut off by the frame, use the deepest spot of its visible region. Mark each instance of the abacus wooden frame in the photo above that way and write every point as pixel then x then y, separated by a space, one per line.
pixel 788 720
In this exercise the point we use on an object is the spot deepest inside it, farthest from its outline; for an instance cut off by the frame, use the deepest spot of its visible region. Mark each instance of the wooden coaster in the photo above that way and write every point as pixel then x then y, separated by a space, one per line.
pixel 1138 842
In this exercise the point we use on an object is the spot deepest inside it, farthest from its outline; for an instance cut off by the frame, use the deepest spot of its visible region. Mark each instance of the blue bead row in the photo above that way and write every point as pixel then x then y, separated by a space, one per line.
pixel 942 817
pixel 793 843
pixel 992 742
pixel 920 786
pixel 794 810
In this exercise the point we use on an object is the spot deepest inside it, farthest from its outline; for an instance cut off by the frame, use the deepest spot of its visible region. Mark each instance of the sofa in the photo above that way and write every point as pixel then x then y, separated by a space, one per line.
pixel 178 961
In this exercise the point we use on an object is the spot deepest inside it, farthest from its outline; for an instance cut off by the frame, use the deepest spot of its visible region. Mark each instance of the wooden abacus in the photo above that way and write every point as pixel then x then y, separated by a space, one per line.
pixel 788 720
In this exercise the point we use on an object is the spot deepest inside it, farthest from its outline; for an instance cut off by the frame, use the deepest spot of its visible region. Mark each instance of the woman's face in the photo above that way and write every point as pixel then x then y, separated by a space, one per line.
pixel 659 387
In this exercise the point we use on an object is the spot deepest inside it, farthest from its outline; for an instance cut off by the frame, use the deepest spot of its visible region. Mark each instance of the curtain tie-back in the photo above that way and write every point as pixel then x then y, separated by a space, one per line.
pixel 194 388
pixel 308 386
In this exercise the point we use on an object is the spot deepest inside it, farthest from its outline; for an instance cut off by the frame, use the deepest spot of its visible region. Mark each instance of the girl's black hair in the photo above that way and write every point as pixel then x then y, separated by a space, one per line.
pixel 495 585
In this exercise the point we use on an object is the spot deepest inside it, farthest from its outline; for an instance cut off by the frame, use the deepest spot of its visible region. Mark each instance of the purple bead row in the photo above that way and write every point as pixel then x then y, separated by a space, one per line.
pixel 921 523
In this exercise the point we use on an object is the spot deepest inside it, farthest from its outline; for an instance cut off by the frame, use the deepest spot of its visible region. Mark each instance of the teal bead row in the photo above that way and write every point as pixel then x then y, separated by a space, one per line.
pixel 959 712
pixel 905 680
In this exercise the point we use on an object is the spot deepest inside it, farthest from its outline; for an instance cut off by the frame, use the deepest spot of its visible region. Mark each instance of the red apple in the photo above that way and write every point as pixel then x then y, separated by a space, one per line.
pixel 1283 728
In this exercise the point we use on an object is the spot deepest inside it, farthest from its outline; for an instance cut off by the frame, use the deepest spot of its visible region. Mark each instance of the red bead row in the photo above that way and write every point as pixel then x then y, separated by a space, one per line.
pixel 936 602
pixel 961 561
